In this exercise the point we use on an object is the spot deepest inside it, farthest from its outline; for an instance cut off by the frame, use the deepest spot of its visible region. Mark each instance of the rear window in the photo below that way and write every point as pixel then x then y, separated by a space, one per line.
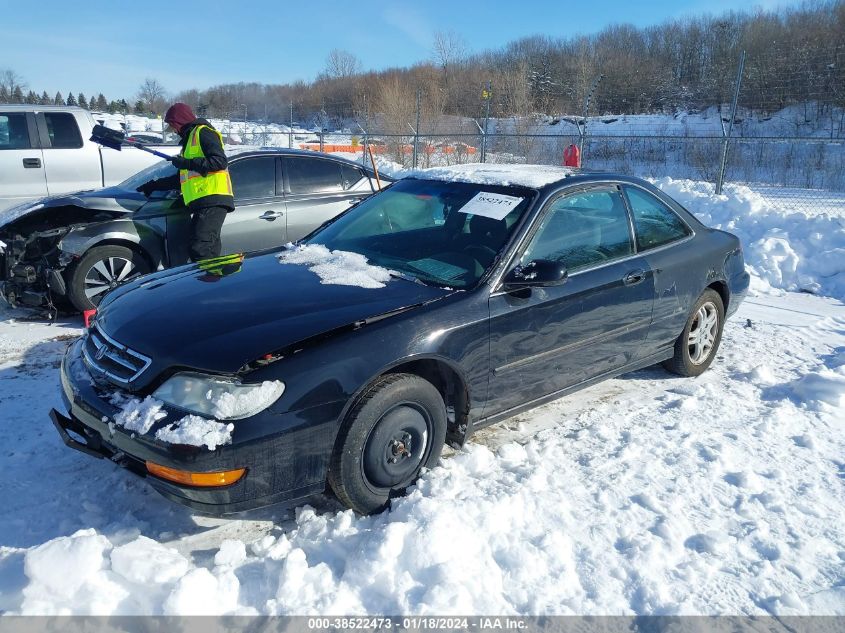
pixel 62 130
pixel 313 175
pixel 13 131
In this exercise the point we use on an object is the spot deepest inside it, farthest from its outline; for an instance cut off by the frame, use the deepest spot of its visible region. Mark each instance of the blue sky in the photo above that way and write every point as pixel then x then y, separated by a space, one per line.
pixel 112 47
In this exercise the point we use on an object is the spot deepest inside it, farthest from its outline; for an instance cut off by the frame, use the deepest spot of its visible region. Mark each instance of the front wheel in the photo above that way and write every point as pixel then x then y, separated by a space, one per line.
pixel 396 429
pixel 101 269
pixel 696 347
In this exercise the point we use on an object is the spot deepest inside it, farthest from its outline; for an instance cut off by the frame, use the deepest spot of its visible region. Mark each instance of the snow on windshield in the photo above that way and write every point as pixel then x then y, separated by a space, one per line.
pixel 534 176
pixel 336 267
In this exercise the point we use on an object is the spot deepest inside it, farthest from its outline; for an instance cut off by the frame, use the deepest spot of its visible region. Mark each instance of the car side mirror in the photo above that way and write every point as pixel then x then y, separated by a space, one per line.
pixel 537 273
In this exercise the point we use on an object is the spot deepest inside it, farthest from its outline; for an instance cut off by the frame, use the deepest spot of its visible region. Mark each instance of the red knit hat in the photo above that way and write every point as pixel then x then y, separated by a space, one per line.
pixel 179 114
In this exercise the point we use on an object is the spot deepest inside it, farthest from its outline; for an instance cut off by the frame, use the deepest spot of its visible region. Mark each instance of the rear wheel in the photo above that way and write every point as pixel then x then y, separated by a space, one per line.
pixel 696 347
pixel 101 269
pixel 397 428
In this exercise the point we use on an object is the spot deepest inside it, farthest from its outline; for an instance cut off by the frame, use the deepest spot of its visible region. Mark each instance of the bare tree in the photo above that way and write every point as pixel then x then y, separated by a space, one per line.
pixel 341 64
pixel 153 94
pixel 10 80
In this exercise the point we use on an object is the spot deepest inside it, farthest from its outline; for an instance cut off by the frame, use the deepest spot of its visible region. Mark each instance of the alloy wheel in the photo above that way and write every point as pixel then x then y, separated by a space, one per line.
pixel 107 274
pixel 702 333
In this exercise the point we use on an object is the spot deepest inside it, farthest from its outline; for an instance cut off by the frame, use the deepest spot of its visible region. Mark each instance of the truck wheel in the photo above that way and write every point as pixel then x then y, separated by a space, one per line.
pixel 396 429
pixel 696 347
pixel 101 269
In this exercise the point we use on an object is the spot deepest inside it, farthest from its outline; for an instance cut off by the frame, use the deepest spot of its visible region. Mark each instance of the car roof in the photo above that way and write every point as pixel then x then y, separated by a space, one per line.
pixel 532 176
pixel 28 107
pixel 284 151
pixel 540 177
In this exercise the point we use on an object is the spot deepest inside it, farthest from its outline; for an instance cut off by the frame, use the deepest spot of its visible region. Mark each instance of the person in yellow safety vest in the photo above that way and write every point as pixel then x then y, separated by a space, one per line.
pixel 203 179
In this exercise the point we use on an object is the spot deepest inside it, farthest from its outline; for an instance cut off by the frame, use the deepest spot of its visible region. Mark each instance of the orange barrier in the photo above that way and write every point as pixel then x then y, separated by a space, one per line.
pixel 381 149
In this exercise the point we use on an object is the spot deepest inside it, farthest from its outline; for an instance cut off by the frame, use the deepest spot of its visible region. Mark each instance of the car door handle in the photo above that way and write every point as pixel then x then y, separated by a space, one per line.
pixel 32 163
pixel 270 215
pixel 633 278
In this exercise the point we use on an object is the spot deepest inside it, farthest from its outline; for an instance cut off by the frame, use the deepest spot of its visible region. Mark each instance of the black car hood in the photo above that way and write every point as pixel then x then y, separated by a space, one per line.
pixel 187 317
pixel 112 199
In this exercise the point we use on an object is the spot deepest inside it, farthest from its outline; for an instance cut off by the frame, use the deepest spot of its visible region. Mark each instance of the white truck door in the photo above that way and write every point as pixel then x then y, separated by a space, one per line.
pixel 22 175
pixel 72 162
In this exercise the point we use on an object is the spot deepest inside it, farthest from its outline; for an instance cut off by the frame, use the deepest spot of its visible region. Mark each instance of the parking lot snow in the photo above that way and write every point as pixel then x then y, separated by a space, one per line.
pixel 647 494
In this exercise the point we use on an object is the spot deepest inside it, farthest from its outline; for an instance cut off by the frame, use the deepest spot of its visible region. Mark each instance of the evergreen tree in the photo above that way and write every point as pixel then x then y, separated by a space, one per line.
pixel 31 98
pixel 71 100
pixel 17 95
pixel 140 107
pixel 92 102
pixel 4 95
pixel 124 107
pixel 114 106
pixel 45 99
pixel 102 104
pixel 59 99
pixel 82 101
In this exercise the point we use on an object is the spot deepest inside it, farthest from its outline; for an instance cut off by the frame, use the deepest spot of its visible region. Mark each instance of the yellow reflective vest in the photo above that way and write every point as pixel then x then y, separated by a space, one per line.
pixel 194 184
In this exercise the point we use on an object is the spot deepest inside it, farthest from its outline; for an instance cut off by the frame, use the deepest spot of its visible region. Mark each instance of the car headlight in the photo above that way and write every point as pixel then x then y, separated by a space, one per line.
pixel 217 397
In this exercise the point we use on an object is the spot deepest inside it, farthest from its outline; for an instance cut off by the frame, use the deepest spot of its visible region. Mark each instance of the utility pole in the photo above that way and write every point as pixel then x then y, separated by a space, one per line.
pixel 417 129
pixel 290 129
pixel 486 94
pixel 583 132
pixel 727 135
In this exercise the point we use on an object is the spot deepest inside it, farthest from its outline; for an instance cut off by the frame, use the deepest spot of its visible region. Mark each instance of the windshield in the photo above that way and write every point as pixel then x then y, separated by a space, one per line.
pixel 162 169
pixel 441 233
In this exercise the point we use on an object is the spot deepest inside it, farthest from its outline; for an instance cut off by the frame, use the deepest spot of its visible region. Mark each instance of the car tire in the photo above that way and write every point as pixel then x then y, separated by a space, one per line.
pixel 397 428
pixel 697 345
pixel 101 269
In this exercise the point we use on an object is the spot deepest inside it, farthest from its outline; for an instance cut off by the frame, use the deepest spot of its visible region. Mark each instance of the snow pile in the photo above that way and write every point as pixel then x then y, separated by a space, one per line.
pixel 336 267
pixel 823 386
pixel 489 174
pixel 783 250
pixel 229 405
pixel 137 416
pixel 194 430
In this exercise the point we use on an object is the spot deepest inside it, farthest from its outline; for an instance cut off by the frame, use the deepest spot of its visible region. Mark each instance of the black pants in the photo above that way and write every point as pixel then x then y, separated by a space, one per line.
pixel 205 232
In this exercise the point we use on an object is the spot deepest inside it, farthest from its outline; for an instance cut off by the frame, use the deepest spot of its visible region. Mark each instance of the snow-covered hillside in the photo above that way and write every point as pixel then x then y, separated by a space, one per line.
pixel 647 494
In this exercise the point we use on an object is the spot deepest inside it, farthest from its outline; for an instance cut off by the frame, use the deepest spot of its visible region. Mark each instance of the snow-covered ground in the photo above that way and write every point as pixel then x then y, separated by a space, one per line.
pixel 647 494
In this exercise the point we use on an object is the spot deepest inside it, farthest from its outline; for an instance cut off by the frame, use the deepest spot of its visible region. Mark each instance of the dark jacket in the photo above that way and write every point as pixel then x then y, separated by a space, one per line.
pixel 214 160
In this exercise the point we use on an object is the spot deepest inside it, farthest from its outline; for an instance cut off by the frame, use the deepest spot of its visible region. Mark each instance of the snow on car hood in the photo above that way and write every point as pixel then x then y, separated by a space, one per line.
pixel 112 199
pixel 217 320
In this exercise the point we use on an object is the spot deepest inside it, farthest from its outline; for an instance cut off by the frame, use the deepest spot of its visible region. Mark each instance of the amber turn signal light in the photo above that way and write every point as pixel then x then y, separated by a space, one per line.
pixel 203 480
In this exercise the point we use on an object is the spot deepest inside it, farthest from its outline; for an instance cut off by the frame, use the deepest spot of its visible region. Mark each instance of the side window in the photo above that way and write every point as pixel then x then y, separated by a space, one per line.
pixel 654 222
pixel 253 178
pixel 62 130
pixel 351 176
pixel 313 175
pixel 13 131
pixel 582 230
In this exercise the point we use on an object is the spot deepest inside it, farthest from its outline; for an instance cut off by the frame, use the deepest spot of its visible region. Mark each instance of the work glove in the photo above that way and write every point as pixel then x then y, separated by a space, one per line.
pixel 180 162
pixel 147 188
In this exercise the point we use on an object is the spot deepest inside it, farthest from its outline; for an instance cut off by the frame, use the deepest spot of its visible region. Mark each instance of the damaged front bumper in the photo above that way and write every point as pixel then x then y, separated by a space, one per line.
pixel 274 461
pixel 33 280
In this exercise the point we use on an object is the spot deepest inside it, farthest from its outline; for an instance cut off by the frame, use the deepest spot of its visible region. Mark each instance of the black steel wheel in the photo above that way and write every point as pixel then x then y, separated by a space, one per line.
pixel 697 345
pixel 397 428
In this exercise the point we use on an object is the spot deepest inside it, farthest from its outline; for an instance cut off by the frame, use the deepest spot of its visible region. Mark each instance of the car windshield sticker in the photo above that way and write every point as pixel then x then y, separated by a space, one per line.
pixel 438 269
pixel 491 205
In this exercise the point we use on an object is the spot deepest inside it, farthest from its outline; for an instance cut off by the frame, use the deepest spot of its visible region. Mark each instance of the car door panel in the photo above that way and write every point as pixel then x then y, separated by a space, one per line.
pixel 316 190
pixel 545 339
pixel 559 336
pixel 67 166
pixel 258 221
pixel 22 173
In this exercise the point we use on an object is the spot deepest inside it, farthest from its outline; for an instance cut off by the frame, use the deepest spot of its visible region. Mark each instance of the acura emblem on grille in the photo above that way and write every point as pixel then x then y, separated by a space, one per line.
pixel 100 353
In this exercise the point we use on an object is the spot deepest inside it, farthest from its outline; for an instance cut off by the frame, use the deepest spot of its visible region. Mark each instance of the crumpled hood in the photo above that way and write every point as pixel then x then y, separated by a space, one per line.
pixel 190 318
pixel 112 199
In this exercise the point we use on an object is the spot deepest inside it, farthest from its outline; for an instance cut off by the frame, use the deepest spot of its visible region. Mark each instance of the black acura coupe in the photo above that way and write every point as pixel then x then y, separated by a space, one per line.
pixel 451 300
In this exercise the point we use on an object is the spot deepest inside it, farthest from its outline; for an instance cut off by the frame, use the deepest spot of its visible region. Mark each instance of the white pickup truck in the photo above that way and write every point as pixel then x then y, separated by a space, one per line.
pixel 45 150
